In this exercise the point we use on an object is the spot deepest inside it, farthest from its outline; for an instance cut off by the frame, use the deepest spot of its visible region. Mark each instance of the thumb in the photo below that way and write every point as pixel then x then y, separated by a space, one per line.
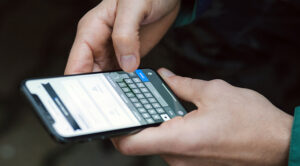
pixel 186 88
pixel 125 34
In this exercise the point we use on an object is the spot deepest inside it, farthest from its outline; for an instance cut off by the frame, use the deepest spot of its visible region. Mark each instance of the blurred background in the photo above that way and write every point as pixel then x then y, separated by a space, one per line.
pixel 250 43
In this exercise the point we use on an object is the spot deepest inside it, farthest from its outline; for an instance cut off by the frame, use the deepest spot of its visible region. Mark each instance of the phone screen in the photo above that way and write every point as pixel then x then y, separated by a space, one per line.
pixel 99 102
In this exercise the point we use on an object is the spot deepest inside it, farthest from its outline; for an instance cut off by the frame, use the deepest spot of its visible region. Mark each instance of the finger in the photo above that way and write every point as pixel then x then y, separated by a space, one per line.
pixel 90 45
pixel 186 88
pixel 80 58
pixel 153 140
pixel 126 33
pixel 151 34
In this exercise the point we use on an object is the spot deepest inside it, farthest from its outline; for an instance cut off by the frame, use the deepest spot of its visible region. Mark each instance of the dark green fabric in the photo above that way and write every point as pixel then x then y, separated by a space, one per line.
pixel 294 155
pixel 186 16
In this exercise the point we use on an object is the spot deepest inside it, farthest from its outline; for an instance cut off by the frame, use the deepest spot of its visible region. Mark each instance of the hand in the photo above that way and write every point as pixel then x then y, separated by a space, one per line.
pixel 127 28
pixel 231 126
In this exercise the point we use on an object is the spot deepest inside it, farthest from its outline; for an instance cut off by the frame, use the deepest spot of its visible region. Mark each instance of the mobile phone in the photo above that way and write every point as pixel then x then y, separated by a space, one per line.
pixel 100 105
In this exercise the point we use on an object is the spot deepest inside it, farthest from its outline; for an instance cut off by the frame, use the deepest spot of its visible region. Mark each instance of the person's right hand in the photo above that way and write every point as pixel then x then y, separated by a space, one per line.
pixel 126 28
pixel 231 126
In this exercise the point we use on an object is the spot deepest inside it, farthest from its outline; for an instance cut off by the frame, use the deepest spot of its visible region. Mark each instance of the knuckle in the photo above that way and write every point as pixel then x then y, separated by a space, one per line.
pixel 192 85
pixel 188 84
pixel 80 22
pixel 188 81
pixel 251 93
pixel 120 37
pixel 216 84
pixel 182 81
pixel 86 18
pixel 215 87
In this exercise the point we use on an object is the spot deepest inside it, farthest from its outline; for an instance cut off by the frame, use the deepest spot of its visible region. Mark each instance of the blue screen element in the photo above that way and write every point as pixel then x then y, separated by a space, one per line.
pixel 141 74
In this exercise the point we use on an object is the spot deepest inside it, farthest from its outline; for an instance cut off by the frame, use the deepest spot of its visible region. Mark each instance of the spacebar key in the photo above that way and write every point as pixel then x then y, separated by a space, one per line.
pixel 156 94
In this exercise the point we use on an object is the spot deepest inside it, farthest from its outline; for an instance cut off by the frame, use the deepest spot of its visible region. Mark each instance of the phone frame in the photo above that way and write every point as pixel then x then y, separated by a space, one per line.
pixel 44 116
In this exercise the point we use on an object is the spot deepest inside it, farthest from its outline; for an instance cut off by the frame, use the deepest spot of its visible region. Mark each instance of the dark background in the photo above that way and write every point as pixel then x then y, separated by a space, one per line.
pixel 250 43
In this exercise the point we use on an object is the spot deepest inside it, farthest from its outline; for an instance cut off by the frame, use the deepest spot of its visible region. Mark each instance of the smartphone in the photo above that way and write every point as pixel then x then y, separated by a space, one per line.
pixel 90 106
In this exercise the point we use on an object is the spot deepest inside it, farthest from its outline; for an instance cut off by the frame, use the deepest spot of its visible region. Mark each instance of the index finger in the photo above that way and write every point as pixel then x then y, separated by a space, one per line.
pixel 153 140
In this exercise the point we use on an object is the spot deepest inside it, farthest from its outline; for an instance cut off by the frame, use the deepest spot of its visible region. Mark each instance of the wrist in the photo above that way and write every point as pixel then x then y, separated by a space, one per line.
pixel 271 146
pixel 283 140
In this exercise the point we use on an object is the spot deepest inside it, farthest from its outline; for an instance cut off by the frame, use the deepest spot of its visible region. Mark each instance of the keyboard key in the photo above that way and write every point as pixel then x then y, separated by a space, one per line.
pixel 156 117
pixel 155 105
pixel 125 89
pixel 133 99
pixel 156 94
pixel 128 80
pixel 142 110
pixel 136 80
pixel 160 110
pixel 114 76
pixel 165 117
pixel 129 94
pixel 140 96
pixel 140 85
pixel 132 74
pixel 152 111
pixel 122 84
pixel 137 104
pixel 146 115
pixel 152 100
pixel 144 90
pixel 148 95
pixel 124 76
pixel 136 91
pixel 180 112
pixel 132 86
pixel 170 111
pixel 150 120
pixel 144 101
pixel 148 106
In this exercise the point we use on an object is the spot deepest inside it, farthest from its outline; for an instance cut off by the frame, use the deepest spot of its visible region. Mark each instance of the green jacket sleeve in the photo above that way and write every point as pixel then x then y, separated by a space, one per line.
pixel 190 10
pixel 294 154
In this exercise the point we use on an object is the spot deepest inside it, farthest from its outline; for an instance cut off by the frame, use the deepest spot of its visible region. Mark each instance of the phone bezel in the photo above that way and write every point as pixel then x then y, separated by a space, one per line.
pixel 88 137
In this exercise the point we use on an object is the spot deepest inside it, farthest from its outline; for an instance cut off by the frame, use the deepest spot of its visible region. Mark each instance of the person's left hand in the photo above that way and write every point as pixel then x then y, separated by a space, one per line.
pixel 118 33
pixel 231 126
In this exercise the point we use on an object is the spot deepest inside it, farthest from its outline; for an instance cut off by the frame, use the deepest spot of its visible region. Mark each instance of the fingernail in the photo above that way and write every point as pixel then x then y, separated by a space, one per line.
pixel 166 73
pixel 128 61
